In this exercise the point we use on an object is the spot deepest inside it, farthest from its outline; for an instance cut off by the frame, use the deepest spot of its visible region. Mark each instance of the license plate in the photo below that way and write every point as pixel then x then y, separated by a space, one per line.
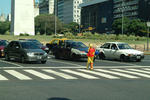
pixel 138 57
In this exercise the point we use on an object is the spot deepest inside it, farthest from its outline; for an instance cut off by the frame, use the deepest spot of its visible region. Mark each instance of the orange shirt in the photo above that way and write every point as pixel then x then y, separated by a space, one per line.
pixel 91 52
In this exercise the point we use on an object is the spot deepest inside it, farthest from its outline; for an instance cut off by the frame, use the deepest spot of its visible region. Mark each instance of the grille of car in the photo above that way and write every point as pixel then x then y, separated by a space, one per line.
pixel 38 54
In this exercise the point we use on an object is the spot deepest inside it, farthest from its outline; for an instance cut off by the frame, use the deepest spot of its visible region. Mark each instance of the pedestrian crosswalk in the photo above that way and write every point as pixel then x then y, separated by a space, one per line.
pixel 74 74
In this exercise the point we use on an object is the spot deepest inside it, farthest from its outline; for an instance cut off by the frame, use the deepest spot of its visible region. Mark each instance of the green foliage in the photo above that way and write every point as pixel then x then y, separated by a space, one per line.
pixel 4 27
pixel 72 27
pixel 130 27
pixel 69 35
pixel 24 34
pixel 45 24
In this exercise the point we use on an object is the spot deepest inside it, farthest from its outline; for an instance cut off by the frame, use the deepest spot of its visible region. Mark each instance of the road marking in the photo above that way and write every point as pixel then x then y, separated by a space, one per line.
pixel 117 73
pixel 146 68
pixel 17 75
pixel 38 74
pixel 142 71
pixel 59 74
pixel 99 74
pixel 131 72
pixel 79 74
pixel 3 78
pixel 75 67
pixel 11 63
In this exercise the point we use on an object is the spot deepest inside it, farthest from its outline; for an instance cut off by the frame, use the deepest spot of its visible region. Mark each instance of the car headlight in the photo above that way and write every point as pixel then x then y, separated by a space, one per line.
pixel 45 54
pixel 30 54
pixel 46 49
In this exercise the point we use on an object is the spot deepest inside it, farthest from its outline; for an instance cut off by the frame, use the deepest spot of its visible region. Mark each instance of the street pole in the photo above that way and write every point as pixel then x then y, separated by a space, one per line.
pixel 122 18
pixel 148 25
pixel 148 39
pixel 55 17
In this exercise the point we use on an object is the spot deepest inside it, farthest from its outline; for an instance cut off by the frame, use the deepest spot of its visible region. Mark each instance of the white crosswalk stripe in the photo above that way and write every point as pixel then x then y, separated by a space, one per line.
pixel 66 76
pixel 80 74
pixel 146 68
pixel 111 73
pixel 99 74
pixel 117 73
pixel 131 72
pixel 38 74
pixel 3 78
pixel 142 71
pixel 18 75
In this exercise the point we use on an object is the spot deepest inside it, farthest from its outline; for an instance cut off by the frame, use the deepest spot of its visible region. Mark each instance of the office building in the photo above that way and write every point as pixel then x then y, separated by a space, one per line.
pixel 46 6
pixel 132 9
pixel 97 15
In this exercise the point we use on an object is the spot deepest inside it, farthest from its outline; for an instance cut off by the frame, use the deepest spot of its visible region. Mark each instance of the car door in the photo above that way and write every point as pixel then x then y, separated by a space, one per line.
pixel 114 51
pixel 17 50
pixel 10 49
pixel 106 49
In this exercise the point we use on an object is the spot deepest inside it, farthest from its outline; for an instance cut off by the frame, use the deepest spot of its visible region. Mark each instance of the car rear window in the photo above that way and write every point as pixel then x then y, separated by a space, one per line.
pixel 29 45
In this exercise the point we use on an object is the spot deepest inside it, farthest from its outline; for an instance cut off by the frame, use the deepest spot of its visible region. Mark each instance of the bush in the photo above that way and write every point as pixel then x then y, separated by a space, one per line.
pixel 69 35
pixel 24 34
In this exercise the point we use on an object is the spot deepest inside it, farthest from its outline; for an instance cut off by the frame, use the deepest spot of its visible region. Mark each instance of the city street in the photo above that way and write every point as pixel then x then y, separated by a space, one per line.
pixel 69 80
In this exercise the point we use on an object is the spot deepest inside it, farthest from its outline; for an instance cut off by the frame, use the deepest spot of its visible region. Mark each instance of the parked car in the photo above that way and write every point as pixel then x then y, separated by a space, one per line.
pixel 23 51
pixel 39 44
pixel 70 50
pixel 121 51
pixel 3 44
pixel 55 42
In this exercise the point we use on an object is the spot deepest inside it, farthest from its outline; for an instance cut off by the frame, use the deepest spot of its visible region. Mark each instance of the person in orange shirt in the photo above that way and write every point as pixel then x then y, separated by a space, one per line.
pixel 90 54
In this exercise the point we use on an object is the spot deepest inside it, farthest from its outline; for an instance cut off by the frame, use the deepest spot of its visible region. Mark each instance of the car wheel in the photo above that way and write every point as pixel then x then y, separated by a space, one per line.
pixel 138 60
pixel 43 62
pixel 22 59
pixel 101 56
pixel 7 57
pixel 122 58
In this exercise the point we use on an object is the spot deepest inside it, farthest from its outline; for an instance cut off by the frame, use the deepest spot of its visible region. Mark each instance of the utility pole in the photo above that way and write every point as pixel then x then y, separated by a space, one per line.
pixel 122 17
pixel 148 25
pixel 55 17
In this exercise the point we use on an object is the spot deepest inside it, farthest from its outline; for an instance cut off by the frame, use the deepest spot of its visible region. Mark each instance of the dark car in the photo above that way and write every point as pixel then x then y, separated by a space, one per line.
pixel 3 44
pixel 70 50
pixel 24 51
pixel 39 44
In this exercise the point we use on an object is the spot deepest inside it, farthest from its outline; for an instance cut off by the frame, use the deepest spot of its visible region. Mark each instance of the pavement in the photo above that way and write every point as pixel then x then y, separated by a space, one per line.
pixel 61 79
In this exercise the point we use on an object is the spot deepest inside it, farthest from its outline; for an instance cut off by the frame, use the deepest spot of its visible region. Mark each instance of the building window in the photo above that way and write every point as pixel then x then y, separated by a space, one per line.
pixel 104 20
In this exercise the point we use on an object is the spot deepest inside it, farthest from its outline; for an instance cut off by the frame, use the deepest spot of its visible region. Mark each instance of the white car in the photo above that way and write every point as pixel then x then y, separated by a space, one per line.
pixel 121 51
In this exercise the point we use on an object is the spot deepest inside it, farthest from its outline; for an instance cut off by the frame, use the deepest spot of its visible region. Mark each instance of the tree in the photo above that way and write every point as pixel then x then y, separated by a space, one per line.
pixel 117 25
pixel 45 24
pixel 130 26
pixel 72 27
pixel 4 27
pixel 137 27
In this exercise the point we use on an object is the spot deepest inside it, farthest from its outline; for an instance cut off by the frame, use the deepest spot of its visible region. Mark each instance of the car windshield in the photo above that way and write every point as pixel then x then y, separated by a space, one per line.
pixel 36 42
pixel 3 43
pixel 124 46
pixel 29 45
pixel 78 45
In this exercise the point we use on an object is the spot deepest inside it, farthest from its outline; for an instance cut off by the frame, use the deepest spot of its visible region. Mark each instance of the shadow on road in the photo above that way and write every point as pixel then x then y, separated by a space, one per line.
pixel 58 98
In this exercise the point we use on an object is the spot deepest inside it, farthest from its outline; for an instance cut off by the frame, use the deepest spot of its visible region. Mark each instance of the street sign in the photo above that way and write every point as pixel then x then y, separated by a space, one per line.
pixel 148 24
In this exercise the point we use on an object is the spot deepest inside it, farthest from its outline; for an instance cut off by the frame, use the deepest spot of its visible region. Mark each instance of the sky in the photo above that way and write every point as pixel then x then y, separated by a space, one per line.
pixel 5 6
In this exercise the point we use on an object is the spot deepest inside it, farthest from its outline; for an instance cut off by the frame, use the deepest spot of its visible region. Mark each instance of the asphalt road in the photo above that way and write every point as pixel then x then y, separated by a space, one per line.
pixel 69 80
pixel 52 62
